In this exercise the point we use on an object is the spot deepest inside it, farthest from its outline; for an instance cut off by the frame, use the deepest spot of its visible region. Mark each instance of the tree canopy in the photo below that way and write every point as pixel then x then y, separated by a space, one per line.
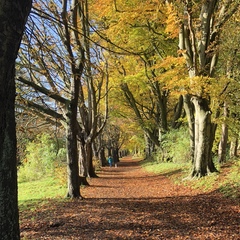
pixel 138 69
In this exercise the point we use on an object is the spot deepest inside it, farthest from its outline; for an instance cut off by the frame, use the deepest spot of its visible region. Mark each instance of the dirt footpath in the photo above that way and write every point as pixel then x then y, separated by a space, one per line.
pixel 129 203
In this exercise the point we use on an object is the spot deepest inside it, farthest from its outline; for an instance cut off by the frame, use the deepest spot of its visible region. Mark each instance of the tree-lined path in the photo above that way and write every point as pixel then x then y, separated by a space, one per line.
pixel 128 203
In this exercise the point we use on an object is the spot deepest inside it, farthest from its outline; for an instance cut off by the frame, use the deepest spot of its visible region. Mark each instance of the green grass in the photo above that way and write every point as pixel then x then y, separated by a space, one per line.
pixel 204 183
pixel 227 181
pixel 164 167
pixel 45 188
pixel 231 184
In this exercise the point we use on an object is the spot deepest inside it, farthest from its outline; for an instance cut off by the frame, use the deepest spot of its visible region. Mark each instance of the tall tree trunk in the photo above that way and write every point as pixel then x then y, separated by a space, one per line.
pixel 211 130
pixel 188 106
pixel 203 139
pixel 148 146
pixel 77 66
pixel 72 156
pixel 178 113
pixel 8 169
pixel 116 155
pixel 234 147
pixel 86 163
pixel 13 15
pixel 102 158
pixel 83 171
pixel 222 147
pixel 89 155
pixel 94 149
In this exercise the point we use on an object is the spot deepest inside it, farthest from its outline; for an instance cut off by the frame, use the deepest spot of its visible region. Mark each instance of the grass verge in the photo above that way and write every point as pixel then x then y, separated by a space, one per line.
pixel 227 181
pixel 45 188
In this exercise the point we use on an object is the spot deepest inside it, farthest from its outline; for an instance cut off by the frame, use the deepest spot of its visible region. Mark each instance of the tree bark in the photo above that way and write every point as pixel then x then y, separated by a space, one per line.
pixel 13 16
pixel 189 109
pixel 86 168
pixel 116 155
pixel 77 66
pixel 89 155
pixel 72 154
pixel 149 146
pixel 102 158
pixel 202 163
pixel 222 147
pixel 178 113
pixel 83 173
pixel 234 147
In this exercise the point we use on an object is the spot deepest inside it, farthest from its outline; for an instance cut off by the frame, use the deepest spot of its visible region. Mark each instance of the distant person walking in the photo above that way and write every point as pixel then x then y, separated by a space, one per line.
pixel 110 161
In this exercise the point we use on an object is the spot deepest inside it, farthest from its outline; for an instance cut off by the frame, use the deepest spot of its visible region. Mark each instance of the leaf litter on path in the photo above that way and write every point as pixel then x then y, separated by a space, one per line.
pixel 128 203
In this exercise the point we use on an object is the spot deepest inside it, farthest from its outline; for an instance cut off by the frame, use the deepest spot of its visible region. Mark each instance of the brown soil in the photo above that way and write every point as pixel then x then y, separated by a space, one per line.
pixel 128 203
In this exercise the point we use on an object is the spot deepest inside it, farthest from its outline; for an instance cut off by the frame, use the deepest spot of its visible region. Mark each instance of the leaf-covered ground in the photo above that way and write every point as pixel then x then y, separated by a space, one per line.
pixel 129 203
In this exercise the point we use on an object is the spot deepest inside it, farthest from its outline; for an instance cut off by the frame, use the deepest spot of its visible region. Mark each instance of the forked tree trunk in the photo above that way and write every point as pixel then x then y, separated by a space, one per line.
pixel 199 38
pixel 13 15
pixel 77 66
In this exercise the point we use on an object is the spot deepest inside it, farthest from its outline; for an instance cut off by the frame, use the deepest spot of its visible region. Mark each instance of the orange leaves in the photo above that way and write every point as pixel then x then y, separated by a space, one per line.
pixel 130 203
pixel 129 24
pixel 171 73
pixel 172 22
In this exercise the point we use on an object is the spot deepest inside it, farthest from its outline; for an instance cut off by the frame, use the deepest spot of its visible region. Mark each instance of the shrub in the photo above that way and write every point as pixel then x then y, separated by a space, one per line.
pixel 175 147
pixel 41 157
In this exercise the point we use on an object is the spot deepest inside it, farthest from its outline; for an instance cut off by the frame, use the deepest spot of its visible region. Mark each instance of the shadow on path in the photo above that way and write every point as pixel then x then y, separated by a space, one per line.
pixel 128 203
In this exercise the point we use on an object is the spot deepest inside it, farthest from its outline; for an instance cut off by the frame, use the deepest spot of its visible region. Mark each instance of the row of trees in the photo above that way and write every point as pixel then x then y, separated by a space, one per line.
pixel 63 77
pixel 177 62
pixel 75 57
pixel 155 63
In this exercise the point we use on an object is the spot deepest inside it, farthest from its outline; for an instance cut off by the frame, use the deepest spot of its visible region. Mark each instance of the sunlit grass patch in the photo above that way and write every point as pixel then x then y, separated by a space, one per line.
pixel 47 187
pixel 230 186
pixel 226 181
pixel 163 167
pixel 205 183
